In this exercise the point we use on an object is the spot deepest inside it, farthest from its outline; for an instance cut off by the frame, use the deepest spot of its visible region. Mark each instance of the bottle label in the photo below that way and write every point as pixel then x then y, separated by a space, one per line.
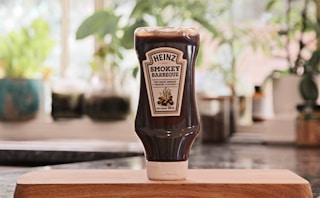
pixel 164 73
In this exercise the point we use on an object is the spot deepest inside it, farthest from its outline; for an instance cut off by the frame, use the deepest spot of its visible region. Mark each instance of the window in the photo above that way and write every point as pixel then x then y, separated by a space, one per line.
pixel 70 57
pixel 14 14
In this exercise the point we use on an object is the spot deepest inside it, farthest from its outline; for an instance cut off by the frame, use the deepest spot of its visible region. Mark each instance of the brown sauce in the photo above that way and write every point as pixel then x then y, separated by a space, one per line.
pixel 168 138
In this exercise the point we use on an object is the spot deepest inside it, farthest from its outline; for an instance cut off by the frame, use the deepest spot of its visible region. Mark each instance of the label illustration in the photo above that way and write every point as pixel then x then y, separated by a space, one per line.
pixel 164 72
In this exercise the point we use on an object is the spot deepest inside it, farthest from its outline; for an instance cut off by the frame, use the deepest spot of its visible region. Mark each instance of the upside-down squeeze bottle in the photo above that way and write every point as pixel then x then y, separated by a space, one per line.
pixel 167 120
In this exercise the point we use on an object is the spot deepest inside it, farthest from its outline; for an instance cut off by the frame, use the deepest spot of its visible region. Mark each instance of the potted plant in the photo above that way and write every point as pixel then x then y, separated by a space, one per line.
pixel 303 29
pixel 113 41
pixel 228 36
pixel 299 36
pixel 232 37
pixel 22 56
pixel 308 119
pixel 106 99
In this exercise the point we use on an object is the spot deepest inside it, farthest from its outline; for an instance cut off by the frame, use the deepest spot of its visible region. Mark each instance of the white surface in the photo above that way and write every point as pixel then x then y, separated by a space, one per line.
pixel 80 134
pixel 280 129
pixel 72 145
pixel 70 135
pixel 75 129
pixel 286 94
pixel 167 170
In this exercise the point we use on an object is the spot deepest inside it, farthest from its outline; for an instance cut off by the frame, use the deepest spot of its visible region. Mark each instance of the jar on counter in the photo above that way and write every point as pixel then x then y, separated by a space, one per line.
pixel 262 109
pixel 215 119
pixel 67 99
pixel 308 125
pixel 106 99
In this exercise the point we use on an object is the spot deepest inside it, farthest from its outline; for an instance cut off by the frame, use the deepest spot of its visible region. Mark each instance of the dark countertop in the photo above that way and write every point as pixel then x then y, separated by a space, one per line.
pixel 303 161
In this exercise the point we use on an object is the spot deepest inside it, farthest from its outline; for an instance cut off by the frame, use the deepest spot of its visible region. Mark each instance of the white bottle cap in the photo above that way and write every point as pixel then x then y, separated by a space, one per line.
pixel 176 170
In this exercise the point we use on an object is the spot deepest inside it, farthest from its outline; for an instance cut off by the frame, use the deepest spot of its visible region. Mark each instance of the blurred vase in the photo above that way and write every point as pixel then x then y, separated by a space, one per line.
pixel 106 99
pixel 216 119
pixel 286 94
pixel 19 99
pixel 67 99
pixel 244 110
pixel 308 125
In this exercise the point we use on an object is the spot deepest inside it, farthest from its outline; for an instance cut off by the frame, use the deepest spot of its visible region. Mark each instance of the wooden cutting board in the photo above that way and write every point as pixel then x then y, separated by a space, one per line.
pixel 239 183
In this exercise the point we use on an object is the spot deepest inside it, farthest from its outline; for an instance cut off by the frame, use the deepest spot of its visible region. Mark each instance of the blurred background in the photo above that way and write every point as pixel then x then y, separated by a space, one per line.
pixel 256 72
pixel 70 79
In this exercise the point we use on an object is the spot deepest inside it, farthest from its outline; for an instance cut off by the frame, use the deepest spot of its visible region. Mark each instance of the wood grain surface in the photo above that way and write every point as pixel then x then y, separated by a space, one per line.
pixel 239 183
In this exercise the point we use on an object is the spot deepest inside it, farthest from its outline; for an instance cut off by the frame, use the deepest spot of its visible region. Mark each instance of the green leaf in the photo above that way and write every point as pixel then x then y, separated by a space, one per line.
pixel 40 27
pixel 314 61
pixel 24 50
pixel 206 25
pixel 135 71
pixel 100 23
pixel 308 88
pixel 128 37
pixel 200 56
pixel 270 5
pixel 110 27
pixel 141 8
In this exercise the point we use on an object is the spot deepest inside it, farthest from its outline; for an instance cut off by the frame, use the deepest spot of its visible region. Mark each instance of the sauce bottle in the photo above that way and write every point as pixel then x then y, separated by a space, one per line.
pixel 167 120
pixel 261 106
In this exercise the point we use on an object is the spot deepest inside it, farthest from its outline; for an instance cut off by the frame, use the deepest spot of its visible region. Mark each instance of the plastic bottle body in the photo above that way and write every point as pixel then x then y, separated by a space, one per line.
pixel 167 120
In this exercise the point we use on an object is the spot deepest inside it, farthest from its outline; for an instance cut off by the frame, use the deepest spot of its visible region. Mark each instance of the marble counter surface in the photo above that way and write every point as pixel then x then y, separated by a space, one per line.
pixel 303 161
pixel 45 152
